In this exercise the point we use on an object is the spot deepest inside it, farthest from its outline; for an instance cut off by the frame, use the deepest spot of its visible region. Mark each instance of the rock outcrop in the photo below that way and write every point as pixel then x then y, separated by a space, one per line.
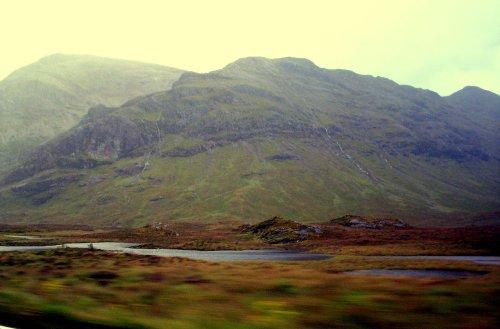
pixel 280 230
pixel 369 222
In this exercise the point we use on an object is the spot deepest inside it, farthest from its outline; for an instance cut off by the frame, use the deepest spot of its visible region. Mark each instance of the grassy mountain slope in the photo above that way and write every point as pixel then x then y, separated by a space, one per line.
pixel 257 138
pixel 48 97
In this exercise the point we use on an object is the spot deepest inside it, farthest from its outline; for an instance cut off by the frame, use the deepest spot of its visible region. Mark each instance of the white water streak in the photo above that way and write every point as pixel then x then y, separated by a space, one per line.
pixel 345 154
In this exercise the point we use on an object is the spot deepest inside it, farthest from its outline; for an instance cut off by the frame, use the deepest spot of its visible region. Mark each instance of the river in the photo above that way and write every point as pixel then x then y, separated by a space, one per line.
pixel 219 255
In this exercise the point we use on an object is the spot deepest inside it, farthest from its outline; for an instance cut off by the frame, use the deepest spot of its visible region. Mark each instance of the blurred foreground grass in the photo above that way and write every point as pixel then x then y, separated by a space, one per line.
pixel 93 289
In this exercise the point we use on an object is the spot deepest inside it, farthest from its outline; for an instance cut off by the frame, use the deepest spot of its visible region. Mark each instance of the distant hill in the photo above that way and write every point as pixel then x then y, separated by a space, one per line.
pixel 265 137
pixel 41 100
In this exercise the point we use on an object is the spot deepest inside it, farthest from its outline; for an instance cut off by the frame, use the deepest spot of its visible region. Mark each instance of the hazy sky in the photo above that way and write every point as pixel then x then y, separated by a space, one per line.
pixel 439 45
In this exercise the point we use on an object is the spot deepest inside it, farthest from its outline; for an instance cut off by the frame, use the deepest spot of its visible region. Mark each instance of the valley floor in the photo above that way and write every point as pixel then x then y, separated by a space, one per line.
pixel 73 288
pixel 334 239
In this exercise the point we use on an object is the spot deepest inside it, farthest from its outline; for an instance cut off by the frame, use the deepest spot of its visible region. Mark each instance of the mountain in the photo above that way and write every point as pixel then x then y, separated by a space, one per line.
pixel 264 137
pixel 41 100
pixel 475 99
pixel 480 109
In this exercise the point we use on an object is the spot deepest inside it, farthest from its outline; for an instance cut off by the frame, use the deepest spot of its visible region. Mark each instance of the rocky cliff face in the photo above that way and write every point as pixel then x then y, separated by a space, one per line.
pixel 97 140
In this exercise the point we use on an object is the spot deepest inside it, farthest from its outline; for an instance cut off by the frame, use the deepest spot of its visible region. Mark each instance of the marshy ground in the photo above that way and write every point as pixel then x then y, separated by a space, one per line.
pixel 94 289
pixel 282 234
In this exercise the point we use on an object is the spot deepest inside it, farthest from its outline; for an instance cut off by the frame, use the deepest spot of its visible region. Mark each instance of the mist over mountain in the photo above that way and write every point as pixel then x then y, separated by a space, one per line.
pixel 265 137
pixel 46 98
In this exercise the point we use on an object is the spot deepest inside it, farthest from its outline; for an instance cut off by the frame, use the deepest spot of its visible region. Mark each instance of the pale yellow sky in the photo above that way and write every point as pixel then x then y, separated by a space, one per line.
pixel 439 45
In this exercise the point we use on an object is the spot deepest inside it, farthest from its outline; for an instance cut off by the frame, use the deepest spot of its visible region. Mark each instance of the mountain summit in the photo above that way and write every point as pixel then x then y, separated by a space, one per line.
pixel 46 98
pixel 258 137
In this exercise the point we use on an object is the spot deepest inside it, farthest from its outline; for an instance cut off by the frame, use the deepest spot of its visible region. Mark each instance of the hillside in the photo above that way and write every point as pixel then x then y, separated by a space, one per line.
pixel 264 137
pixel 481 109
pixel 41 100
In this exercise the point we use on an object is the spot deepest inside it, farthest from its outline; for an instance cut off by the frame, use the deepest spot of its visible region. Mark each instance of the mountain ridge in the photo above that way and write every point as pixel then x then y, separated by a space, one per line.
pixel 47 97
pixel 263 136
